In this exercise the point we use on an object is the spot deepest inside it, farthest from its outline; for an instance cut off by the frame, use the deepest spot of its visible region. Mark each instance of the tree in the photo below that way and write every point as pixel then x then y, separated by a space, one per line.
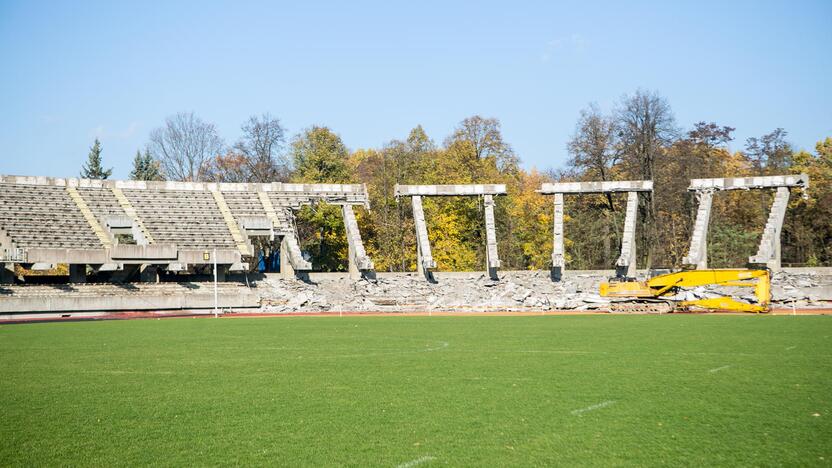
pixel 807 233
pixel 702 153
pixel 484 140
pixel 770 153
pixel 231 167
pixel 183 145
pixel 592 146
pixel 319 155
pixel 145 167
pixel 93 169
pixel 261 144
pixel 646 126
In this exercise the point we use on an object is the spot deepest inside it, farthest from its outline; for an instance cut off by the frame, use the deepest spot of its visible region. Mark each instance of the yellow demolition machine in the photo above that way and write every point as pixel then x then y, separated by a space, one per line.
pixel 654 295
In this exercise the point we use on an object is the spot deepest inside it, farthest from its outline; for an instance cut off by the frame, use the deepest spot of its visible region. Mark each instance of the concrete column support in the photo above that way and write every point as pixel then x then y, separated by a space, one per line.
pixel 77 273
pixel 492 258
pixel 625 266
pixel 149 274
pixel 424 258
pixel 292 262
pixel 286 269
pixel 698 252
pixel 6 273
pixel 359 262
pixel 768 252
pixel 222 272
pixel 558 259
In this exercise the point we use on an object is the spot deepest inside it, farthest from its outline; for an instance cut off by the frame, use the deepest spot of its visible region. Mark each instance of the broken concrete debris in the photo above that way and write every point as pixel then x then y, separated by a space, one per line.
pixel 516 291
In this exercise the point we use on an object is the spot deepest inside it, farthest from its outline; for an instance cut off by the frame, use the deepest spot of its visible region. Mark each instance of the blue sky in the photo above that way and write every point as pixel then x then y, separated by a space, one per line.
pixel 371 71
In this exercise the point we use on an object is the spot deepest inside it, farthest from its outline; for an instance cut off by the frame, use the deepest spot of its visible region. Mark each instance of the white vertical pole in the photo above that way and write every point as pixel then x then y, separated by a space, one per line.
pixel 216 296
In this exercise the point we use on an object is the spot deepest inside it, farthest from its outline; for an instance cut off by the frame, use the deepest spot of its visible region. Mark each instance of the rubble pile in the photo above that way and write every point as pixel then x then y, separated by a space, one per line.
pixel 409 292
pixel 805 289
pixel 515 291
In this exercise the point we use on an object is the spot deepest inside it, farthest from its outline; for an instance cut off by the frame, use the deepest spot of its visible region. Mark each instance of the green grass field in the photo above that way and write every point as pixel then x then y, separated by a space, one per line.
pixel 426 391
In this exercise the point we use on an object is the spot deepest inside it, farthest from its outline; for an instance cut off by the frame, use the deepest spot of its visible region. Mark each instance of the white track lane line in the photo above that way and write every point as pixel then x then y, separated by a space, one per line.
pixel 418 461
pixel 594 407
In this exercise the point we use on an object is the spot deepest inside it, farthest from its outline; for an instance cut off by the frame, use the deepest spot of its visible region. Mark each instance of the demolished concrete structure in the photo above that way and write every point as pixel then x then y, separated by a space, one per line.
pixel 626 263
pixel 127 226
pixel 804 289
pixel 424 259
pixel 768 252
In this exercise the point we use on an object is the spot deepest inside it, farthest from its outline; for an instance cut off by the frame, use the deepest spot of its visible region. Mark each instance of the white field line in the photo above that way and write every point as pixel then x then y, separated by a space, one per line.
pixel 418 461
pixel 603 404
pixel 791 348
pixel 717 369
pixel 127 372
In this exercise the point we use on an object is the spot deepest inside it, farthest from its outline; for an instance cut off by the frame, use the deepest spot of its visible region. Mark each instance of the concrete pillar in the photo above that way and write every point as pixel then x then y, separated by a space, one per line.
pixel 77 273
pixel 292 263
pixel 359 262
pixel 286 269
pixel 126 274
pixel 698 252
pixel 424 258
pixel 222 272
pixel 625 266
pixel 149 274
pixel 7 273
pixel 558 259
pixel 768 253
pixel 492 259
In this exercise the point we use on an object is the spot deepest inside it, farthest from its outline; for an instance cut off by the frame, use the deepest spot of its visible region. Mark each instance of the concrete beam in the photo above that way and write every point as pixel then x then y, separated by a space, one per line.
pixel 359 189
pixel 358 260
pixel 449 190
pixel 698 252
pixel 745 183
pixel 491 255
pixel 625 266
pixel 203 257
pixel 144 253
pixel 79 256
pixel 424 258
pixel 768 252
pixel 597 187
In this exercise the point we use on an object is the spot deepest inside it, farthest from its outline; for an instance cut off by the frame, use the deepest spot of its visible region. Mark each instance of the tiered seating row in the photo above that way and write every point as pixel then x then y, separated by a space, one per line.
pixel 189 219
pixel 101 202
pixel 39 212
pixel 43 216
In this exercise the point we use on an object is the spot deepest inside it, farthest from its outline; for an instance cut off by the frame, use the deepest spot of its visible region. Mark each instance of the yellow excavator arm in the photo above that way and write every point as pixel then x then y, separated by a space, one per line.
pixel 667 285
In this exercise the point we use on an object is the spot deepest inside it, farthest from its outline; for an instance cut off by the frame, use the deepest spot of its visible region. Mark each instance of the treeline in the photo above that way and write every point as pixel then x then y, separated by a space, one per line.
pixel 638 139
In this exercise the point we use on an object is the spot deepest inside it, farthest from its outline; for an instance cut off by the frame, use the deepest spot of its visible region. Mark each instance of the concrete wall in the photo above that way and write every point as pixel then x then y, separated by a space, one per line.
pixel 149 301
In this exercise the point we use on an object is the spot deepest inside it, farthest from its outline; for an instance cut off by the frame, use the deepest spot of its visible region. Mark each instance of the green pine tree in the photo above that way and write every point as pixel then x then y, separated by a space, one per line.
pixel 145 167
pixel 93 169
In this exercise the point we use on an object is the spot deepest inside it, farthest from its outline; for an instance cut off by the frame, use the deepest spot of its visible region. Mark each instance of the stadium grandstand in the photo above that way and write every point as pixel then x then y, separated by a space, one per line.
pixel 119 230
